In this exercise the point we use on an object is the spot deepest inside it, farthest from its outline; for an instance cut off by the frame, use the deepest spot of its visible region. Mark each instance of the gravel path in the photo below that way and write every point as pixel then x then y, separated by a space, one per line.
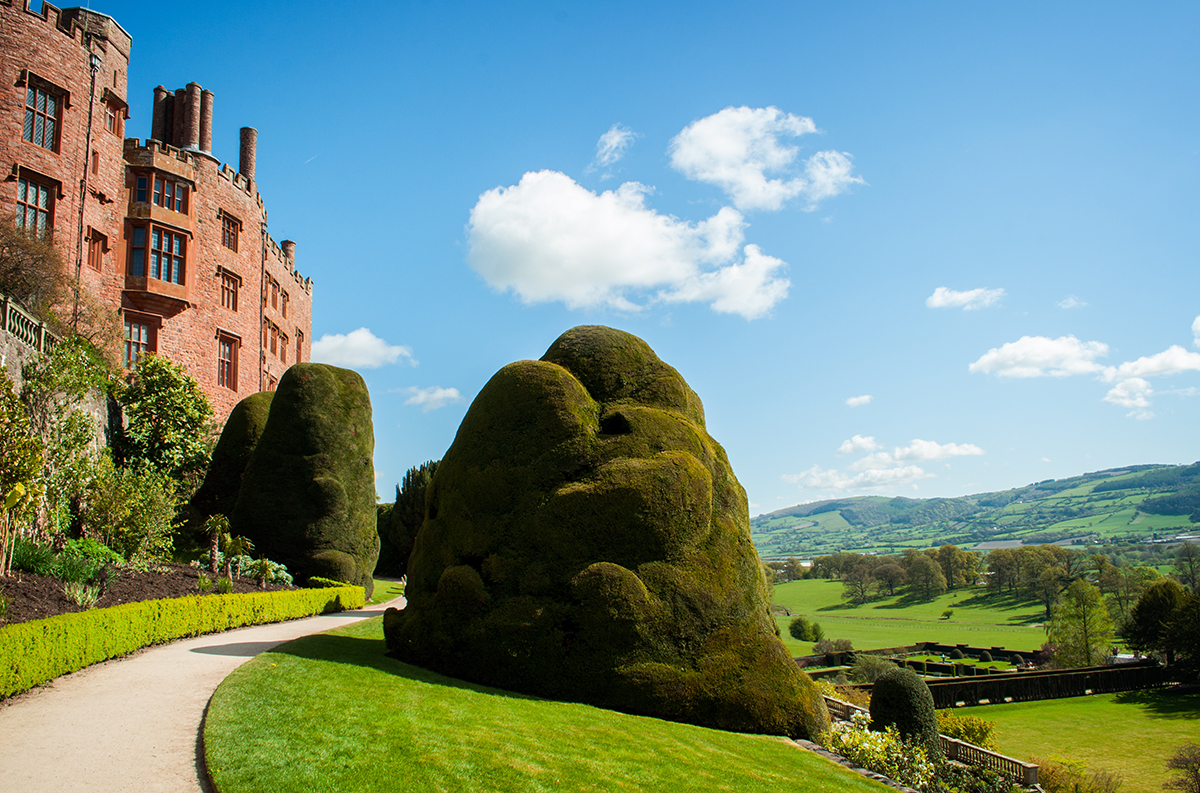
pixel 134 724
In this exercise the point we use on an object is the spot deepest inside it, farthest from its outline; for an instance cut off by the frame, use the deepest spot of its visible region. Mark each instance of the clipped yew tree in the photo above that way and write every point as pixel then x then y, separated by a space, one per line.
pixel 219 491
pixel 308 493
pixel 586 539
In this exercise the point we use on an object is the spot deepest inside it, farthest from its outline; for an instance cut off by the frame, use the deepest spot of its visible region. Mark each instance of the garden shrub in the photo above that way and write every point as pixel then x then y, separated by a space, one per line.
pixel 801 630
pixel 91 549
pixel 1016 660
pixel 319 582
pixel 1064 775
pixel 33 652
pixel 985 657
pixel 76 569
pixel 867 668
pixel 842 645
pixel 854 695
pixel 901 698
pixel 957 654
pixel 224 586
pixel 972 729
pixel 31 557
pixel 882 751
pixel 1186 761
pixel 308 493
pixel 132 510
pixel 586 539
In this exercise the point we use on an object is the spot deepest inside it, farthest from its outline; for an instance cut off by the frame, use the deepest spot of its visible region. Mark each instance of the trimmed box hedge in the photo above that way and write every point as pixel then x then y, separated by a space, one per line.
pixel 34 652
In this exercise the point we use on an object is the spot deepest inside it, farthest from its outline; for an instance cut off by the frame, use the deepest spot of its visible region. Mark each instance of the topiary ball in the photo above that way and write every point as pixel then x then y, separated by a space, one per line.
pixel 901 698
pixel 985 657
pixel 957 654
pixel 1016 660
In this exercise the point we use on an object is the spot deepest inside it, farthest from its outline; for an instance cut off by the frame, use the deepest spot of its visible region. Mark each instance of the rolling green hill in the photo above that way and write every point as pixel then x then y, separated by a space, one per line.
pixel 1138 503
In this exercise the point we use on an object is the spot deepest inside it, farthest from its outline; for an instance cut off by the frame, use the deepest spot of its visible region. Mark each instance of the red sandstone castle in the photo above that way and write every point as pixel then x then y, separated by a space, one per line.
pixel 163 232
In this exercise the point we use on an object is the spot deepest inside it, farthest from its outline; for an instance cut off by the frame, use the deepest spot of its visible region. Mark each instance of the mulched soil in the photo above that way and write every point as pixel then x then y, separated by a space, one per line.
pixel 33 597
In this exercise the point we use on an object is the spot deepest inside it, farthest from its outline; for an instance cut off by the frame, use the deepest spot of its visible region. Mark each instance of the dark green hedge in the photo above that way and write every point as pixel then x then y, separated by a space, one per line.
pixel 34 652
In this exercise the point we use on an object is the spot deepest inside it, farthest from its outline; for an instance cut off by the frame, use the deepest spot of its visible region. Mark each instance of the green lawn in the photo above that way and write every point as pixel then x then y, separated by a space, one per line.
pixel 980 619
pixel 1132 733
pixel 385 591
pixel 331 713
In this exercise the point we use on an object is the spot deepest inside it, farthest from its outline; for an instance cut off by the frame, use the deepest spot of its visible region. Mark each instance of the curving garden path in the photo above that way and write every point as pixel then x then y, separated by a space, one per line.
pixel 134 724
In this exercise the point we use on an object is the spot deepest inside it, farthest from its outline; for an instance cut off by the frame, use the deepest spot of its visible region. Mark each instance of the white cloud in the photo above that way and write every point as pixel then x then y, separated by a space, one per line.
pixel 1132 393
pixel 1196 330
pixel 1070 301
pixel 858 444
pixel 1172 360
pixel 1040 356
pixel 817 478
pixel 358 349
pixel 917 450
pixel 432 398
pixel 858 401
pixel 969 300
pixel 612 145
pixel 738 147
pixel 550 239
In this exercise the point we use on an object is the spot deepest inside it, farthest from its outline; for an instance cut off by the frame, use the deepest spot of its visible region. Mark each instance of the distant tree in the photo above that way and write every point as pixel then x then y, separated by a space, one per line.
pixel 857 584
pixel 1002 569
pixel 891 576
pixel 793 570
pixel 1147 631
pixel 1186 760
pixel 1123 586
pixel 868 668
pixel 1081 628
pixel 958 566
pixel 1183 638
pixel 925 577
pixel 1187 565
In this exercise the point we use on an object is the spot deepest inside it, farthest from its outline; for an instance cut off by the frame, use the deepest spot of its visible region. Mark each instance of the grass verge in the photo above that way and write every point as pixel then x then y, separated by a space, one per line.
pixel 1132 733
pixel 331 712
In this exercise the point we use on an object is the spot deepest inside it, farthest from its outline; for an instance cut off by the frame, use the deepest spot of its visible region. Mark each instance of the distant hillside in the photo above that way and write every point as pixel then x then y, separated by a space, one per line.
pixel 1141 502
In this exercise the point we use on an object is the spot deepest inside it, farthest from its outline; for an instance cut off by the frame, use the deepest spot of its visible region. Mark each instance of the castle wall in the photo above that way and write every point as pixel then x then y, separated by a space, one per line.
pixel 221 228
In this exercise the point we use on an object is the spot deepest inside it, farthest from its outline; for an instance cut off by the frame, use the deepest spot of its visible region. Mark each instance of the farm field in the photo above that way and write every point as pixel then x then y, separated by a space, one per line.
pixel 1098 507
pixel 1132 733
pixel 980 618
pixel 331 712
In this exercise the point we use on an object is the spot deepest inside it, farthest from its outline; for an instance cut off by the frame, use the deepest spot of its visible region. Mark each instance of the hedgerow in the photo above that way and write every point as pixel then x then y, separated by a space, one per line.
pixel 33 652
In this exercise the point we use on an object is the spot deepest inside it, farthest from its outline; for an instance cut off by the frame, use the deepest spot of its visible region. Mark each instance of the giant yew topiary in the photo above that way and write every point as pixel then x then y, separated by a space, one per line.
pixel 219 491
pixel 307 498
pixel 586 539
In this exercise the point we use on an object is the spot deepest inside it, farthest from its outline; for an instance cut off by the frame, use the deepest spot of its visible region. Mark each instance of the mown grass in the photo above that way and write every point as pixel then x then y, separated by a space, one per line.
pixel 1132 733
pixel 330 712
pixel 385 590
pixel 980 618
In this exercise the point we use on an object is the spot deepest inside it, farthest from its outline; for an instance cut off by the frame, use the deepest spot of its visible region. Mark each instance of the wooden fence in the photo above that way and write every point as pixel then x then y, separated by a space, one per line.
pixel 956 750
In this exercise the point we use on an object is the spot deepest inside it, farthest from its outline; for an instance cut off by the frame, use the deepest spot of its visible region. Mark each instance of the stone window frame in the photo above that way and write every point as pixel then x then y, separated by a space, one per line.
pixel 147 342
pixel 144 243
pixel 116 110
pixel 31 82
pixel 299 345
pixel 228 347
pixel 231 230
pixel 97 247
pixel 171 192
pixel 26 179
pixel 231 287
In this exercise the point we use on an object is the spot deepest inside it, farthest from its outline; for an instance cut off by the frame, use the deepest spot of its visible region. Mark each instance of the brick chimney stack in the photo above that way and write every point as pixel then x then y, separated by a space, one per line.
pixel 206 113
pixel 192 130
pixel 248 152
pixel 158 124
pixel 289 253
pixel 179 118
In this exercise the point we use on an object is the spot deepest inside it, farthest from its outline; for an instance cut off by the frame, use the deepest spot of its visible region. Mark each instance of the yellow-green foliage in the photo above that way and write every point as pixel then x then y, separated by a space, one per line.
pixel 965 727
pixel 586 539
pixel 307 498
pixel 40 650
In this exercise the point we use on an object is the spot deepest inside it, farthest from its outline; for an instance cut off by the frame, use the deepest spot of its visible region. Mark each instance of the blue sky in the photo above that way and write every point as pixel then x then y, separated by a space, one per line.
pixel 984 218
